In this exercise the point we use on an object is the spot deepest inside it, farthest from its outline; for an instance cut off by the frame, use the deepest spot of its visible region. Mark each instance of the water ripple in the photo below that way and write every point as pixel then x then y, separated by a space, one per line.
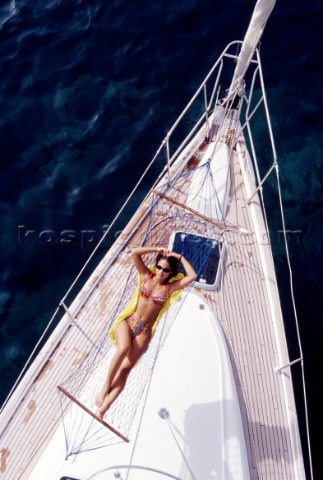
pixel 7 11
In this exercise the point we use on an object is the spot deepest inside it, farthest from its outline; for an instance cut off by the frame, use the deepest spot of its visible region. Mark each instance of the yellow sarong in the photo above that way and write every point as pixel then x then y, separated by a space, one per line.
pixel 131 307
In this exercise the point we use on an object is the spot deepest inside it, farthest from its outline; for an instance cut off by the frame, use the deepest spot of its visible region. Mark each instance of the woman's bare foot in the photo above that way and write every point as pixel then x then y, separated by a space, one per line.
pixel 103 409
pixel 99 400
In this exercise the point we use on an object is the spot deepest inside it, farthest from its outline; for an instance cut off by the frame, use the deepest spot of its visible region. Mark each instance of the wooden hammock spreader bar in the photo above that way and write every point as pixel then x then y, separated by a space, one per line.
pixel 87 410
pixel 191 210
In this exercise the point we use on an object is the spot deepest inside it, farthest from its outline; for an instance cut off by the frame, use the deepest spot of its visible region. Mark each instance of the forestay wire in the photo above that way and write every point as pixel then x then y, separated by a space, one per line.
pixel 83 432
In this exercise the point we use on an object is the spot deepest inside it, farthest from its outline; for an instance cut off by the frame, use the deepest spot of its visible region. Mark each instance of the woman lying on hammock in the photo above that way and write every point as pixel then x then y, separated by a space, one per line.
pixel 132 334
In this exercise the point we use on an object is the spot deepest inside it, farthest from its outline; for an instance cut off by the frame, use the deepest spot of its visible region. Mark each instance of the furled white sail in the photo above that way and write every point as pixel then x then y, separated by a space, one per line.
pixel 209 190
pixel 258 21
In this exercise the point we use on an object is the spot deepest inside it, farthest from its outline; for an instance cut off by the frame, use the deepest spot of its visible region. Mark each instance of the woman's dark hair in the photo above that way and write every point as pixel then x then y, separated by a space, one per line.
pixel 173 263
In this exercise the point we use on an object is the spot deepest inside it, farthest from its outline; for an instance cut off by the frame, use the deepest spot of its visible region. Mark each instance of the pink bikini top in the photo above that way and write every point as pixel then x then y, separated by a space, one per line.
pixel 157 299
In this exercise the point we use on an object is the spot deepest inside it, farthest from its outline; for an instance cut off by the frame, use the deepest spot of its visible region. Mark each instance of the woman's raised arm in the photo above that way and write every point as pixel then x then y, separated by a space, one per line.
pixel 189 277
pixel 137 254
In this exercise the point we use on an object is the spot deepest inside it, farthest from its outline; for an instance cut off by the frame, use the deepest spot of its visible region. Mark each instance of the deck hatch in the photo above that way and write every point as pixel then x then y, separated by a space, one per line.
pixel 205 254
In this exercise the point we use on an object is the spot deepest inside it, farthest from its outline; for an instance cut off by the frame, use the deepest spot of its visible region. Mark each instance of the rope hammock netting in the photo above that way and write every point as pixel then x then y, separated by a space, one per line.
pixel 167 225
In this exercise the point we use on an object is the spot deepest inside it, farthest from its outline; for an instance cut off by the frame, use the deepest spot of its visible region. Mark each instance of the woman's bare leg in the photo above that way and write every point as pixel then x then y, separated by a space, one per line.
pixel 139 346
pixel 123 338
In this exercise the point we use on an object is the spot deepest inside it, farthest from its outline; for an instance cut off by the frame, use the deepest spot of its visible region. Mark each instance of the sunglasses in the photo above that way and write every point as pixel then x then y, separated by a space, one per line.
pixel 166 270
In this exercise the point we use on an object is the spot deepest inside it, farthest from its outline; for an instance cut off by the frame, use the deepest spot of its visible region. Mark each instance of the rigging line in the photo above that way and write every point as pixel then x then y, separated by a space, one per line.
pixel 173 183
pixel 191 210
pixel 139 424
pixel 82 437
pixel 145 468
pixel 296 320
pixel 269 126
pixel 74 321
pixel 166 417
pixel 64 427
pixel 92 440
pixel 169 217
pixel 68 421
pixel 222 219
pixel 252 113
pixel 90 449
pixel 203 182
pixel 235 188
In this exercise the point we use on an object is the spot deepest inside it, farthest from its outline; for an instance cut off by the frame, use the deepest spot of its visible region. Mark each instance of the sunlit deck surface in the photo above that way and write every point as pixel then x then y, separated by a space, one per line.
pixel 247 307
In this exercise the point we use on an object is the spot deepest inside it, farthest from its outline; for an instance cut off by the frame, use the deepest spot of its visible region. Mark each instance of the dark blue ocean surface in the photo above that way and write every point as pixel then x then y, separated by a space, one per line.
pixel 88 90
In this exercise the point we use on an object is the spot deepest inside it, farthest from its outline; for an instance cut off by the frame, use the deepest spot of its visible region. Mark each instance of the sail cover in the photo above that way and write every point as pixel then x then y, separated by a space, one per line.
pixel 258 21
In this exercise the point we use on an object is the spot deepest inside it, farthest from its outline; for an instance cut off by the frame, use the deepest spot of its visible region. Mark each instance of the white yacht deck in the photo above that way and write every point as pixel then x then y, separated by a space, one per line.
pixel 248 309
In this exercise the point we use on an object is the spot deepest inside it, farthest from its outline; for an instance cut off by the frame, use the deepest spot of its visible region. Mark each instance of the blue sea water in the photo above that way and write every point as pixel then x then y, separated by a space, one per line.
pixel 88 90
